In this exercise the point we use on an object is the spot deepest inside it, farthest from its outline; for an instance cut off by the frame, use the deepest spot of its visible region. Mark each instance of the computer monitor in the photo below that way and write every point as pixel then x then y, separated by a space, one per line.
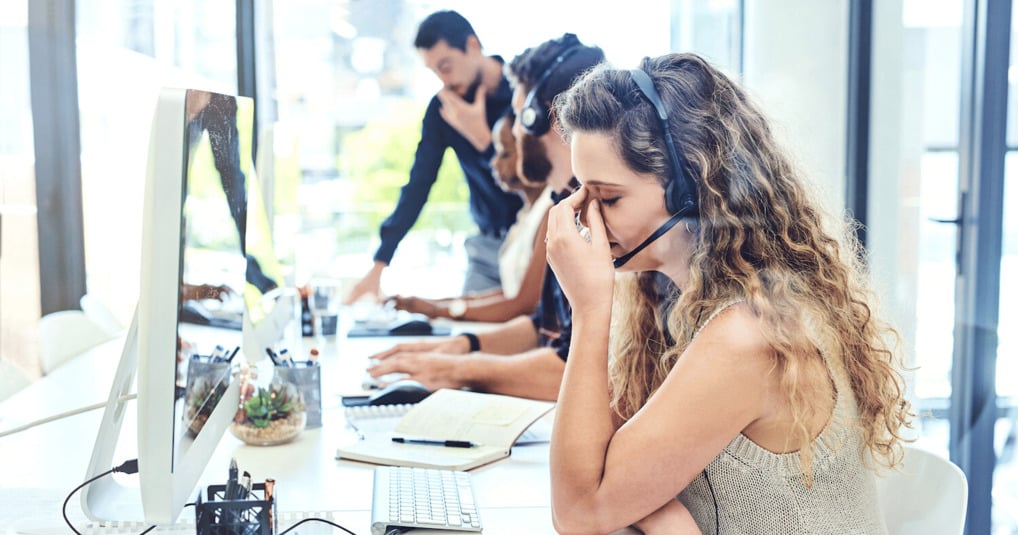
pixel 194 218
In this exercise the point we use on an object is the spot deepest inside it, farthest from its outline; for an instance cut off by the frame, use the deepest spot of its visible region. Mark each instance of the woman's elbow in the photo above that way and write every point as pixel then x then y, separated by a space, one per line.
pixel 576 522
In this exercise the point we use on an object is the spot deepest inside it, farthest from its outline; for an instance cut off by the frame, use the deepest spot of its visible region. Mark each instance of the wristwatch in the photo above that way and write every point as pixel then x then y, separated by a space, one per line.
pixel 457 308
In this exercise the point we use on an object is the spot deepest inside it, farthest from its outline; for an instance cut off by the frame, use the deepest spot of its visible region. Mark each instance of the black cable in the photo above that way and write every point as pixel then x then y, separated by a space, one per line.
pixel 329 522
pixel 129 467
pixel 717 522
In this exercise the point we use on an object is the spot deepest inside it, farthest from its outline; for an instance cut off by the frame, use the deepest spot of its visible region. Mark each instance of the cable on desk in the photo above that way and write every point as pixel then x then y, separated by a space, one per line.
pixel 329 522
pixel 129 467
pixel 61 415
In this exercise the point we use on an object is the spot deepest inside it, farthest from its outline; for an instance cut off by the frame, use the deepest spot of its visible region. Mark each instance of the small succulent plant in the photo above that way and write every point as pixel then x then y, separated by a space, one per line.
pixel 267 404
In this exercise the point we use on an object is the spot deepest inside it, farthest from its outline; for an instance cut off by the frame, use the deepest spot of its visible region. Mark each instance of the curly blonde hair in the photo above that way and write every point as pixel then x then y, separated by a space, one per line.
pixel 759 238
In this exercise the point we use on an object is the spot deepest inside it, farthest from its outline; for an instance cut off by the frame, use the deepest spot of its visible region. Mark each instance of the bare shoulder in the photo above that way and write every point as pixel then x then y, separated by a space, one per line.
pixel 735 334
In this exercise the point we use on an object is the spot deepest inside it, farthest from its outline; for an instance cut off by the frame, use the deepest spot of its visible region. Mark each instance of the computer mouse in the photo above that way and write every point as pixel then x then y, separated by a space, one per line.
pixel 402 391
pixel 410 327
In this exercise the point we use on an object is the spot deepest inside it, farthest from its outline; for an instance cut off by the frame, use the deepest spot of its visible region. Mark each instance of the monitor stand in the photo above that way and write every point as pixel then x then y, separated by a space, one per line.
pixel 107 498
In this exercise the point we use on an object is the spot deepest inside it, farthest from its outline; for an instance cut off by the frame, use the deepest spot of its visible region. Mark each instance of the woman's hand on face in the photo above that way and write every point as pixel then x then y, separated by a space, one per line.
pixel 582 264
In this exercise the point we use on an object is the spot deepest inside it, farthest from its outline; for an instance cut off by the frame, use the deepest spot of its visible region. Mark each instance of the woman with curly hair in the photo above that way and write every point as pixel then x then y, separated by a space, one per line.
pixel 763 394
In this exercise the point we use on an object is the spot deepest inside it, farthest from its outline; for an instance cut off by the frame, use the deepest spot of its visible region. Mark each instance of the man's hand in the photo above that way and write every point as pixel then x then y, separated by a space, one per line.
pixel 220 292
pixel 455 345
pixel 433 370
pixel 369 285
pixel 415 304
pixel 468 118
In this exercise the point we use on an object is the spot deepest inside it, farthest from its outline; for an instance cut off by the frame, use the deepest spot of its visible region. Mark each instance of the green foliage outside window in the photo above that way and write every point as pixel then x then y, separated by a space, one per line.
pixel 377 159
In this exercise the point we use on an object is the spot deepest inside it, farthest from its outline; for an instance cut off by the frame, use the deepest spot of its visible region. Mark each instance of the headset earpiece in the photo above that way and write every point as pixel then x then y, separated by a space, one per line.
pixel 535 116
pixel 680 193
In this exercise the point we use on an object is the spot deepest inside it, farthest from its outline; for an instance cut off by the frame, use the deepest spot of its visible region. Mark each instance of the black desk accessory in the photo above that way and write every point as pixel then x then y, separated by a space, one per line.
pixel 236 507
pixel 395 393
pixel 408 325
pixel 218 515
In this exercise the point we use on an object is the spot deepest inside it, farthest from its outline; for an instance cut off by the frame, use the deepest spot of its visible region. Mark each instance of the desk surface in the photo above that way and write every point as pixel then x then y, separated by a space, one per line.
pixel 38 467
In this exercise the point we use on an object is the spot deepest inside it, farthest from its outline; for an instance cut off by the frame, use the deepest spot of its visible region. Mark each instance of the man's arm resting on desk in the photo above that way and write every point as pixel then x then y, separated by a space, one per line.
pixel 514 336
pixel 534 374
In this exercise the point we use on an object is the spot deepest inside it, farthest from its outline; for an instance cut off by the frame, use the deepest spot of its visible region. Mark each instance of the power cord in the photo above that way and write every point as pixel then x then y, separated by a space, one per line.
pixel 717 523
pixel 72 412
pixel 129 467
pixel 329 522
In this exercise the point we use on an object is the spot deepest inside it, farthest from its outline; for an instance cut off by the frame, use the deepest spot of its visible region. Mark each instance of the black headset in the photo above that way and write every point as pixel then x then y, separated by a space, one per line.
pixel 535 116
pixel 680 193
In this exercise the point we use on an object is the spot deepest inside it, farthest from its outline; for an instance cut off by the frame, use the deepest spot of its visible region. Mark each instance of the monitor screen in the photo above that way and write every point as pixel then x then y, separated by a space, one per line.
pixel 193 240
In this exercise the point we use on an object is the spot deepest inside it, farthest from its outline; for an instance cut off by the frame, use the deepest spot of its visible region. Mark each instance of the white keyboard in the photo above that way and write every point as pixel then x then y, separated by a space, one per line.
pixel 186 525
pixel 423 498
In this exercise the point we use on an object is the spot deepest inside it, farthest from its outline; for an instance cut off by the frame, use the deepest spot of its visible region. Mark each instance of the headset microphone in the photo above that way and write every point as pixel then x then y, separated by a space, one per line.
pixel 621 261
pixel 680 193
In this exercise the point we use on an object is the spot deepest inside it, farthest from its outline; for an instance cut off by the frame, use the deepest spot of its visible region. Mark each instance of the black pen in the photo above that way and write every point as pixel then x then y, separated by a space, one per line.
pixel 234 354
pixel 446 443
pixel 231 481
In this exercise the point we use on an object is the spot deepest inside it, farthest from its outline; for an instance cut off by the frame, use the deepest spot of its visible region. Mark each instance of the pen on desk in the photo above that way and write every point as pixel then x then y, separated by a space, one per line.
pixel 429 442
pixel 360 435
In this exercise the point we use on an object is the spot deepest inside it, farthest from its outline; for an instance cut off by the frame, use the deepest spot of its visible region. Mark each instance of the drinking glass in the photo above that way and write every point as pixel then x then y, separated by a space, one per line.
pixel 324 300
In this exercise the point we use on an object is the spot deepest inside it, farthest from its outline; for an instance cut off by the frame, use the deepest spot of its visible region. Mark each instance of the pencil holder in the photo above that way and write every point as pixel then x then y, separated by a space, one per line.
pixel 217 515
pixel 205 386
pixel 308 380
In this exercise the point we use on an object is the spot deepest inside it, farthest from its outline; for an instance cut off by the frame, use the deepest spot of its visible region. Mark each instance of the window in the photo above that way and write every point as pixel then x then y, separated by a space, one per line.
pixel 351 91
pixel 126 52
pixel 19 247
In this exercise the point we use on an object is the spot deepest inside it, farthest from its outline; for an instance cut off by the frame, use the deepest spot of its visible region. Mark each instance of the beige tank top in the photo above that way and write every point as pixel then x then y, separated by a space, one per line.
pixel 749 490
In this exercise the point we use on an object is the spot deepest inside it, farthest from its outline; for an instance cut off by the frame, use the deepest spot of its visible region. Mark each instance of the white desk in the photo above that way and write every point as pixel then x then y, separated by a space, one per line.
pixel 38 467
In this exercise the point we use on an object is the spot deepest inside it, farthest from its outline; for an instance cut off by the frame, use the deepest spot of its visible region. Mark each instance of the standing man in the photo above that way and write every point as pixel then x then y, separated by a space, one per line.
pixel 526 355
pixel 461 115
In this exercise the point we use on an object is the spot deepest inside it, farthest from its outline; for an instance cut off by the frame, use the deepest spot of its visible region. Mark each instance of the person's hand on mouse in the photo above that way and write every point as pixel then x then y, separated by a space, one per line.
pixel 455 345
pixel 414 304
pixel 433 370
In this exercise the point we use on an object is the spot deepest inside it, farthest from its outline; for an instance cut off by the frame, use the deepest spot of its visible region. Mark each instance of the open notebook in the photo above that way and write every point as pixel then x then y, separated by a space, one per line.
pixel 491 422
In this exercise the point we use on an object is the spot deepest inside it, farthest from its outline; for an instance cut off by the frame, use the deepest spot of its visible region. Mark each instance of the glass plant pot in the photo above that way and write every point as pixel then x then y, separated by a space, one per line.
pixel 206 383
pixel 269 415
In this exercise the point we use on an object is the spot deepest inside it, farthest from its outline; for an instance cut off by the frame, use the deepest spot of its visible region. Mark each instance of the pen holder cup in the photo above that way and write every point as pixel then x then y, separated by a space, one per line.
pixel 205 386
pixel 220 516
pixel 308 380
pixel 269 415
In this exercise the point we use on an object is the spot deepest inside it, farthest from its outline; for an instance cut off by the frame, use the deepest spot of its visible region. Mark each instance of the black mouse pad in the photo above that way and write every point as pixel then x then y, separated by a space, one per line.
pixel 360 332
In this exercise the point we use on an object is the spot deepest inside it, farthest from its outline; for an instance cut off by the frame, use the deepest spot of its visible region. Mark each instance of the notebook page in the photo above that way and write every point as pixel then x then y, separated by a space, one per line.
pixel 488 419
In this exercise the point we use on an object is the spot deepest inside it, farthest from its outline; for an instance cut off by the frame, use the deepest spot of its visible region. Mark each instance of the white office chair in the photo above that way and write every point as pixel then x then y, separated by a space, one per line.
pixel 67 334
pixel 98 312
pixel 12 379
pixel 927 495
